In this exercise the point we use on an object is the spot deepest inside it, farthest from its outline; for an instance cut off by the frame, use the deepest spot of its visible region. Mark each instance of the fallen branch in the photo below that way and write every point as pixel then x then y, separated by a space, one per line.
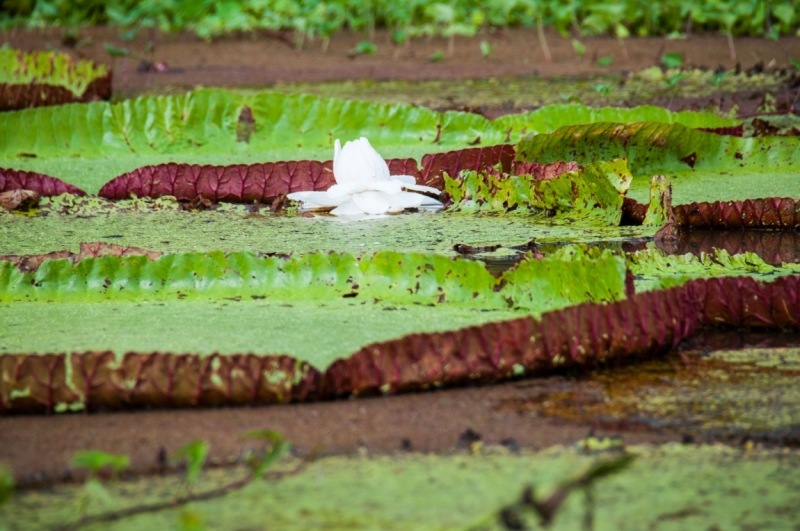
pixel 190 498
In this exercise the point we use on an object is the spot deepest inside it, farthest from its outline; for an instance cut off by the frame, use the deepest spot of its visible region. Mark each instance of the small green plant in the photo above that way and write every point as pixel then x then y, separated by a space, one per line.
pixel 578 47
pixel 195 453
pixel 486 49
pixel 6 485
pixel 363 48
pixel 96 462
pixel 672 60
pixel 602 88
pixel 795 63
pixel 436 57
pixel 275 446
pixel 608 60
pixel 674 80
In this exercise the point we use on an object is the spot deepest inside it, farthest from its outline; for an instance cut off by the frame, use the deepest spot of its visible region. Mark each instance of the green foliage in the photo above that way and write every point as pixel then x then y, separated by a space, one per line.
pixel 363 48
pixel 419 18
pixel 486 49
pixel 95 461
pixel 579 47
pixel 195 454
pixel 608 60
pixel 672 60
pixel 6 485
pixel 436 57
pixel 275 447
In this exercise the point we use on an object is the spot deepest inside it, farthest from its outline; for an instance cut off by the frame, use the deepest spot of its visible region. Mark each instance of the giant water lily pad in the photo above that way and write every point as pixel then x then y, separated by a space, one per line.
pixel 703 166
pixel 654 269
pixel 201 128
pixel 49 78
pixel 591 195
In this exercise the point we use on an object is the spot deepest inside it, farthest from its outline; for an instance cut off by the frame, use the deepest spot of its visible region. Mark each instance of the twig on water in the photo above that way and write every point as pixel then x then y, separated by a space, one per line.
pixel 189 498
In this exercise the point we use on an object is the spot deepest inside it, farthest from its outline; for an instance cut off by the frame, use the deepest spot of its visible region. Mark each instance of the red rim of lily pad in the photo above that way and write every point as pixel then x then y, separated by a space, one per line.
pixel 42 184
pixel 266 181
pixel 765 213
pixel 16 97
pixel 582 335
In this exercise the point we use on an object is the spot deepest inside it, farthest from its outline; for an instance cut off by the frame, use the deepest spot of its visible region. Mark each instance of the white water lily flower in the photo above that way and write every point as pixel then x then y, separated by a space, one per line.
pixel 364 186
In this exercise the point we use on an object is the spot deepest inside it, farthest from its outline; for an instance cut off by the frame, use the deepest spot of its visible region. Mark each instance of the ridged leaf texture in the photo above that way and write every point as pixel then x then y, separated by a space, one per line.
pixel 534 285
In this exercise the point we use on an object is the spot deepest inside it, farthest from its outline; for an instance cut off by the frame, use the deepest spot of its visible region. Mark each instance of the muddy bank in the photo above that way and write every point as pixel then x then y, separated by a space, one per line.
pixel 261 60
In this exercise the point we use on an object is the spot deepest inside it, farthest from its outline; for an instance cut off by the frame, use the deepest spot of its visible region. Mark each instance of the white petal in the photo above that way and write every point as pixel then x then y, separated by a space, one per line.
pixel 390 187
pixel 317 199
pixel 421 188
pixel 429 201
pixel 338 170
pixel 371 202
pixel 338 190
pixel 402 200
pixel 405 179
pixel 347 209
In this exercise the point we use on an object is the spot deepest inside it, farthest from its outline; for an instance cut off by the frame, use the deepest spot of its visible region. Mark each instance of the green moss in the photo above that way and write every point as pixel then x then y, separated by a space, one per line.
pixel 667 487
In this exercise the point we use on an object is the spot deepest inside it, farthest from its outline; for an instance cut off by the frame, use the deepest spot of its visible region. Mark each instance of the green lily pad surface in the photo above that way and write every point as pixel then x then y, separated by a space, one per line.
pixel 316 307
pixel 667 487
pixel 316 332
pixel 654 269
pixel 90 144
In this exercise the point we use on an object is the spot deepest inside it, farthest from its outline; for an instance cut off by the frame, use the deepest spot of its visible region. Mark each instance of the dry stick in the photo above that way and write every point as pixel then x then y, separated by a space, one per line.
pixel 190 498
pixel 543 40
pixel 731 47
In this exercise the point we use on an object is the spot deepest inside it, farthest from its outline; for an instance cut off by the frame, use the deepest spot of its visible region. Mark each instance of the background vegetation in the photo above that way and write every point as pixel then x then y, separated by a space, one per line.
pixel 320 19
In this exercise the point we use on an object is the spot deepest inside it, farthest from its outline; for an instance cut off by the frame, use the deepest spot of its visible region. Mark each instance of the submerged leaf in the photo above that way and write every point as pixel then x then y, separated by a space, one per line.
pixel 591 194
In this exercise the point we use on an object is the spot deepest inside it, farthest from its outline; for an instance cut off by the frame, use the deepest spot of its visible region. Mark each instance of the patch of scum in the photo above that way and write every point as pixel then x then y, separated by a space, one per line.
pixel 728 393
pixel 517 94
pixel 174 232
pixel 709 486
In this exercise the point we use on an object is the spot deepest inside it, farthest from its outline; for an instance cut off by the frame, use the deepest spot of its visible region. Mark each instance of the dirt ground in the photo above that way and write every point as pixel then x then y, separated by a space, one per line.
pixel 40 447
pixel 260 60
